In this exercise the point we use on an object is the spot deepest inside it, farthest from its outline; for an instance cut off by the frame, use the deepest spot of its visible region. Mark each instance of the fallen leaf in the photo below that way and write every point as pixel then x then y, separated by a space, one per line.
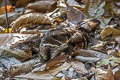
pixel 11 17
pixel 34 76
pixel 34 18
pixel 9 39
pixel 110 75
pixel 100 74
pixel 17 53
pixel 74 15
pixel 43 6
pixel 21 3
pixel 5 62
pixel 62 6
pixel 55 70
pixel 99 46
pixel 109 31
pixel 110 60
pixel 117 74
pixel 95 8
pixel 100 10
pixel 55 61
pixel 79 67
pixel 118 39
pixel 24 67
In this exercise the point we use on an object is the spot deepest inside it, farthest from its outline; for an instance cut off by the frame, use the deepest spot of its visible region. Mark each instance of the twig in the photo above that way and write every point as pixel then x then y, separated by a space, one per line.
pixel 5 1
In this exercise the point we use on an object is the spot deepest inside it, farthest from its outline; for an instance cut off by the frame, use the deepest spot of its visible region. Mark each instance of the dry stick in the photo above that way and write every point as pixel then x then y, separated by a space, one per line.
pixel 5 1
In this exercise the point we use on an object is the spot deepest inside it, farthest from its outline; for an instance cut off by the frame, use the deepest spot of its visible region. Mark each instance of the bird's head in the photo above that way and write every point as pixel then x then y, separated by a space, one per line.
pixel 90 24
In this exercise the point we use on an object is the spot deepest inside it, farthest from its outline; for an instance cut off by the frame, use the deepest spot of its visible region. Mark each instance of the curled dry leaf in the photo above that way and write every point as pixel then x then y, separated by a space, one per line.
pixel 43 6
pixel 31 18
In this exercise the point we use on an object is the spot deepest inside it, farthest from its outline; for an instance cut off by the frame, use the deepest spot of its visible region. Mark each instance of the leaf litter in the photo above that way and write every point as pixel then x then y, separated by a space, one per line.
pixel 60 40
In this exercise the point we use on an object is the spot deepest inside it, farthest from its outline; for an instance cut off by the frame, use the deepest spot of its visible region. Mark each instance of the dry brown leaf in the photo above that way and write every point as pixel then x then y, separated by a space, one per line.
pixel 44 75
pixel 110 75
pixel 43 6
pixel 5 38
pixel 117 74
pixel 109 31
pixel 21 3
pixel 34 76
pixel 74 15
pixel 79 67
pixel 90 53
pixel 64 66
pixel 118 39
pixel 17 53
pixel 76 3
pixel 25 67
pixel 57 60
pixel 99 46
pixel 55 70
pixel 99 74
pixel 62 6
pixel 31 18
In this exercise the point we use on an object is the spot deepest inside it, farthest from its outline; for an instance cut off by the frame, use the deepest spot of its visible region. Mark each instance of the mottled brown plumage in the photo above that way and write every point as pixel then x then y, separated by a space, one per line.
pixel 70 38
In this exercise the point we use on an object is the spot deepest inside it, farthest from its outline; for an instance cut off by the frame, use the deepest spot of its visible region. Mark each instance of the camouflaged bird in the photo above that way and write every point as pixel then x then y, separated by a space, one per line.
pixel 67 39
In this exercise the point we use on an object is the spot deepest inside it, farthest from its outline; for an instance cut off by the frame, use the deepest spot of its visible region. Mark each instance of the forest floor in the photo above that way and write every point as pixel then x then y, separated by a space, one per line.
pixel 59 40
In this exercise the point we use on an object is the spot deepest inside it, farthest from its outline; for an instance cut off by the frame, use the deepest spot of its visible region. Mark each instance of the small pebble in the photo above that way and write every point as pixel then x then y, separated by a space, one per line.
pixel 60 75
